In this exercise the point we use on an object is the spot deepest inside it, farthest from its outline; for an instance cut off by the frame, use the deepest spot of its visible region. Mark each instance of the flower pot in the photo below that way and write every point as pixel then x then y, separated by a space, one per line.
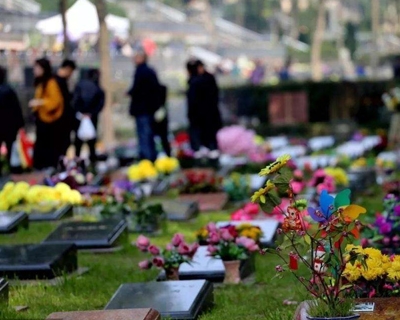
pixel 232 272
pixel 172 274
pixel 353 317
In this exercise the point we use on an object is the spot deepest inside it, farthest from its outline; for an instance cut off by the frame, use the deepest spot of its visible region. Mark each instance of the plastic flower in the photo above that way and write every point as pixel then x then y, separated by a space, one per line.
pixel 275 166
pixel 260 194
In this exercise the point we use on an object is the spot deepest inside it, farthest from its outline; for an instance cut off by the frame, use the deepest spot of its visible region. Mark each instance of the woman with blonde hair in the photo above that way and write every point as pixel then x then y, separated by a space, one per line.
pixel 48 107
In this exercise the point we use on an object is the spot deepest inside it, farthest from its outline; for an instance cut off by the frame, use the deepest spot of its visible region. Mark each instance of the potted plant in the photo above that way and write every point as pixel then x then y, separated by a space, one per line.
pixel 202 186
pixel 317 243
pixel 225 243
pixel 170 258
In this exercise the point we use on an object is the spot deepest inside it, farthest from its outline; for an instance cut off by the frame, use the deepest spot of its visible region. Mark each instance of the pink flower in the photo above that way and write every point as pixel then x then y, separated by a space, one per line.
pixel 372 293
pixel 226 235
pixel 169 247
pixel 386 241
pixel 248 243
pixel 396 238
pixel 158 262
pixel 177 239
pixel 364 242
pixel 212 249
pixel 241 215
pixel 298 174
pixel 252 208
pixel 211 227
pixel 183 249
pixel 154 250
pixel 142 243
pixel 145 265
pixel 193 249
pixel 213 237
pixel 297 186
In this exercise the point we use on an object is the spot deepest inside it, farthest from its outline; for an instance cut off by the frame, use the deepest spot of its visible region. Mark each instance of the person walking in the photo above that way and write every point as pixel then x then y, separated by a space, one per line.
pixel 11 118
pixel 145 101
pixel 48 107
pixel 68 121
pixel 203 101
pixel 88 101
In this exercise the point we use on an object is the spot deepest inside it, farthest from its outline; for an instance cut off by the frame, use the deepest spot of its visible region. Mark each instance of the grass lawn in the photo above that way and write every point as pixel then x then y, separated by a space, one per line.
pixel 260 300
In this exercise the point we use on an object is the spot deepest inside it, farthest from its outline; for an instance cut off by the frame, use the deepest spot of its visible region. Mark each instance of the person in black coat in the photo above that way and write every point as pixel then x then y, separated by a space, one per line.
pixel 11 118
pixel 145 100
pixel 204 115
pixel 88 101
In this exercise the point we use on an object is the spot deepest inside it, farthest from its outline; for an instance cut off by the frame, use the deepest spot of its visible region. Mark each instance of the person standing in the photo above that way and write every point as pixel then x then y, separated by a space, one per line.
pixel 203 99
pixel 68 122
pixel 11 118
pixel 88 101
pixel 48 107
pixel 161 121
pixel 145 101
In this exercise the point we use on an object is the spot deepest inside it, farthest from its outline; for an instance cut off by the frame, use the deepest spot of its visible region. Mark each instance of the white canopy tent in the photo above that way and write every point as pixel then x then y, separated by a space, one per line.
pixel 82 19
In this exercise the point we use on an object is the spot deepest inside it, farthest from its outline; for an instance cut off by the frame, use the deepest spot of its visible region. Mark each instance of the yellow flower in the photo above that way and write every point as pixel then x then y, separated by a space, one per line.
pixel 352 272
pixel 202 233
pixel 134 173
pixel 62 187
pixel 260 194
pixel 339 175
pixel 275 166
pixel 394 270
pixel 374 269
pixel 373 253
pixel 166 165
pixel 145 164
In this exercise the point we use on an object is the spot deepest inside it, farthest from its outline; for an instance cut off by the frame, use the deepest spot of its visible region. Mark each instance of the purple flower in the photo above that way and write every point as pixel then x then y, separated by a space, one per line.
pixel 385 228
pixel 397 211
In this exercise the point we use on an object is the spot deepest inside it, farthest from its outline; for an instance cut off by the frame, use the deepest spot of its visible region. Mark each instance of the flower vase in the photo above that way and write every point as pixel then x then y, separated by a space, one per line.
pixel 172 274
pixel 232 272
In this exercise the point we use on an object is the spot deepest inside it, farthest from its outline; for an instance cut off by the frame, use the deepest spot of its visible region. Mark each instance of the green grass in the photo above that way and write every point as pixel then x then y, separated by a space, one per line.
pixel 260 300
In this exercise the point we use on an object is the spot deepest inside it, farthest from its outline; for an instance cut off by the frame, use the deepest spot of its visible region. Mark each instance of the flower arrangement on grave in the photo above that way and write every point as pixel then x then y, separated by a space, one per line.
pixel 378 279
pixel 14 196
pixel 166 165
pixel 143 171
pixel 231 245
pixel 248 212
pixel 237 187
pixel 385 230
pixel 194 181
pixel 236 141
pixel 339 175
pixel 170 258
pixel 322 181
pixel 242 230
pixel 321 249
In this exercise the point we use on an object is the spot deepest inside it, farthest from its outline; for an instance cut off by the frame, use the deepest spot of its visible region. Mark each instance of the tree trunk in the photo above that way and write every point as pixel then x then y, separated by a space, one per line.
pixel 316 46
pixel 105 67
pixel 63 12
pixel 374 58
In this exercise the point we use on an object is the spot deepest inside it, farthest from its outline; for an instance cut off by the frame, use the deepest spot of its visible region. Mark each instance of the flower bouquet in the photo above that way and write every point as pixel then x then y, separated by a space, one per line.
pixel 170 258
pixel 237 187
pixel 202 186
pixel 320 249
pixel 384 232
pixel 379 279
pixel 227 243
pixel 144 173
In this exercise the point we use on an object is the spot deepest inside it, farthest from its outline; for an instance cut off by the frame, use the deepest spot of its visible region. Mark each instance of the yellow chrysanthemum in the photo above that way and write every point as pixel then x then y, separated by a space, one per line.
pixel 134 173
pixel 394 271
pixel 373 253
pixel 352 271
pixel 260 194
pixel 166 165
pixel 374 269
pixel 275 166
pixel 339 175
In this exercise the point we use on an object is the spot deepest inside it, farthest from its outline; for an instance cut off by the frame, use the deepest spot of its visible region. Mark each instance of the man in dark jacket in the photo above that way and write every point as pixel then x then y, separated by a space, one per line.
pixel 145 101
pixel 204 114
pixel 11 118
pixel 88 101
pixel 64 73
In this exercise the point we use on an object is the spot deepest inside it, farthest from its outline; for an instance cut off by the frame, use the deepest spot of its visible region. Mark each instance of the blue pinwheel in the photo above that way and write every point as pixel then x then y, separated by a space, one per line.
pixel 325 210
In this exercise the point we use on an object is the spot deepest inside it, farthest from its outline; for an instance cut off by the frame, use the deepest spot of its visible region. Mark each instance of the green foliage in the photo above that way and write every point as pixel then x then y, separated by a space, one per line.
pixel 320 308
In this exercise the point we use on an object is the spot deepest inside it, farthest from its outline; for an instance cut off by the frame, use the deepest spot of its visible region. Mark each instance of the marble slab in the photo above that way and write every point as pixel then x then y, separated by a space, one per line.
pixel 37 261
pixel 90 235
pixel 11 221
pixel 208 268
pixel 267 226
pixel 173 299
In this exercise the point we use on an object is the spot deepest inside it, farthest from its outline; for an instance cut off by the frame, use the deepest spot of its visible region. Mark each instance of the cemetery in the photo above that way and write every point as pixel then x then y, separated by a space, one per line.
pixel 222 239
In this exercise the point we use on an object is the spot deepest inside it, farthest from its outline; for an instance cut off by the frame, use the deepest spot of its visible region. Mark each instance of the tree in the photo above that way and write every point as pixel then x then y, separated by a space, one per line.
pixel 316 46
pixel 105 67
pixel 63 12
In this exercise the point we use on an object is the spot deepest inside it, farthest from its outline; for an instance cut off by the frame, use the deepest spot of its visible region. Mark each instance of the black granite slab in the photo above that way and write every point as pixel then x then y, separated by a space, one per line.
pixel 57 214
pixel 37 261
pixel 181 210
pixel 11 221
pixel 209 268
pixel 4 291
pixel 90 235
pixel 173 299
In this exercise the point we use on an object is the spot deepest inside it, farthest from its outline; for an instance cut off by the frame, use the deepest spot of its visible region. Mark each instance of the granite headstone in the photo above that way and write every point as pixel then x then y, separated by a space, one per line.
pixel 53 215
pixel 104 234
pixel 268 227
pixel 10 221
pixel 205 267
pixel 180 210
pixel 37 261
pixel 173 299
pixel 127 314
